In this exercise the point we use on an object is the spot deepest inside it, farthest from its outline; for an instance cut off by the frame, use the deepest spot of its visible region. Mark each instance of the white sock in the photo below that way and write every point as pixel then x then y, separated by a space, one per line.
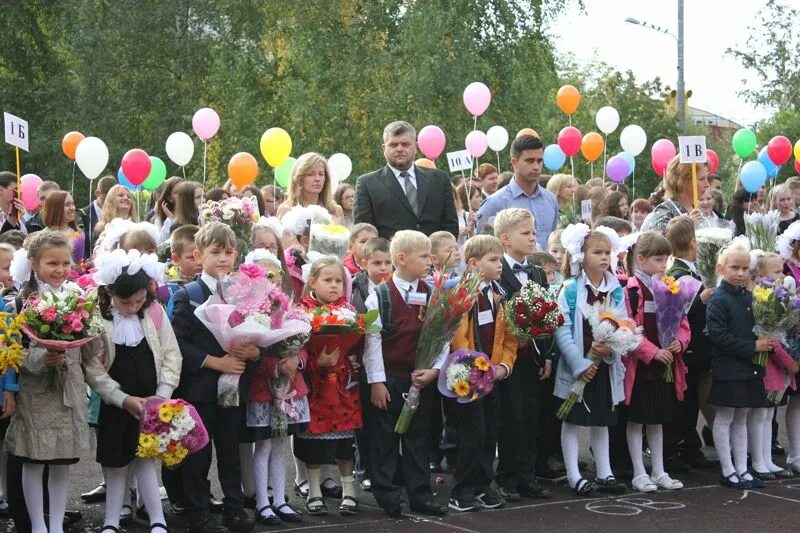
pixel 634 434
pixel 755 437
pixel 277 472
pixel 767 441
pixel 739 439
pixel 598 438
pixel 655 440
pixel 57 489
pixel 569 446
pixel 300 473
pixel 246 463
pixel 349 486
pixel 314 487
pixel 33 487
pixel 116 491
pixel 261 460
pixel 793 428
pixel 722 439
pixel 147 488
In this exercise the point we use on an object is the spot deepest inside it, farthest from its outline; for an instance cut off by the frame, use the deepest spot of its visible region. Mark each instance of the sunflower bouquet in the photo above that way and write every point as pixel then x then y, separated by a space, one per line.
pixel 466 375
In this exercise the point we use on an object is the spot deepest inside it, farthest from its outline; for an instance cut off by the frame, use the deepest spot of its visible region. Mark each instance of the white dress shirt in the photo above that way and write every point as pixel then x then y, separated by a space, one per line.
pixel 402 181
pixel 521 276
pixel 210 281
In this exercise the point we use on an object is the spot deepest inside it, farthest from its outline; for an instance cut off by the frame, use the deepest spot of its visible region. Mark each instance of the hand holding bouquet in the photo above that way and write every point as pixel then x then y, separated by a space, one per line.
pixel 171 430
pixel 466 376
pixel 673 298
pixel 534 313
pixel 776 310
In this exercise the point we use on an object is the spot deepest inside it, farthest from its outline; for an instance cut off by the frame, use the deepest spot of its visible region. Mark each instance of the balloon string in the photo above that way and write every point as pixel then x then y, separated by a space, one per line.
pixel 184 172
pixel 72 187
pixel 89 218
pixel 591 165
pixel 205 154
pixel 498 160
pixel 472 163
pixel 605 146
pixel 571 167
pixel 633 175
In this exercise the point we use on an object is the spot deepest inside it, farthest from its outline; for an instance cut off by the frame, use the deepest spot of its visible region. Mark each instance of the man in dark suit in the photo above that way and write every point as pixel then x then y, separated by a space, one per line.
pixel 402 195
pixel 91 213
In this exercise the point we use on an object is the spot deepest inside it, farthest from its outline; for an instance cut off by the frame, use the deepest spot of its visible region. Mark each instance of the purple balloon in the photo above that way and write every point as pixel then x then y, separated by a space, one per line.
pixel 617 169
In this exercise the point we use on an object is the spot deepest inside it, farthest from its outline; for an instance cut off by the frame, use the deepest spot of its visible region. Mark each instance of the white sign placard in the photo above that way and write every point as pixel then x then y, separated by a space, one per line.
pixel 586 210
pixel 692 149
pixel 461 160
pixel 16 131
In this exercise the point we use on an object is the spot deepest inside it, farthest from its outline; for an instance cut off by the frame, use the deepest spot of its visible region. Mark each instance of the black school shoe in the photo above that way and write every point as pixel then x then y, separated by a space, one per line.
pixel 430 507
pixel 207 524
pixel 534 490
pixel 214 505
pixel 238 521
pixel 697 459
pixel 491 499
pixel 466 504
pixel 509 494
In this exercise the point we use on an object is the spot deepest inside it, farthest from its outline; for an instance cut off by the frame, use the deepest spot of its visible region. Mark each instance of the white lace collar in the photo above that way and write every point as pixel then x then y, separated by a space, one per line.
pixel 127 330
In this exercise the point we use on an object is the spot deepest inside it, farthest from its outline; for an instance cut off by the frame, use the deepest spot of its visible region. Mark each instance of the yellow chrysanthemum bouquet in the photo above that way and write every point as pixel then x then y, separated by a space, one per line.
pixel 171 431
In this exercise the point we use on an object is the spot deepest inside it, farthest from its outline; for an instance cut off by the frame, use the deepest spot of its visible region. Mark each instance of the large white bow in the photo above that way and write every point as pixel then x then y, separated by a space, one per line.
pixel 110 265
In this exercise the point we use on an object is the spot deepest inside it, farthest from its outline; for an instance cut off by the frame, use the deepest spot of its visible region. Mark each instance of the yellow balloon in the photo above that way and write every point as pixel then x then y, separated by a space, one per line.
pixel 797 150
pixel 276 145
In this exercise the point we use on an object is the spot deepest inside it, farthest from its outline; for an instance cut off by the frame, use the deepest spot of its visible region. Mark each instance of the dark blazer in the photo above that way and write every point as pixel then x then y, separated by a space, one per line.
pixel 382 202
pixel 360 293
pixel 699 348
pixel 511 285
pixel 729 319
pixel 89 220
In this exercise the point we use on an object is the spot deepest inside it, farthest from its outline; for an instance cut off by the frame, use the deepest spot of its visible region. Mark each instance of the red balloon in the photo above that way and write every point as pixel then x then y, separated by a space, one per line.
pixel 569 140
pixel 779 149
pixel 712 160
pixel 136 166
pixel 659 168
pixel 797 166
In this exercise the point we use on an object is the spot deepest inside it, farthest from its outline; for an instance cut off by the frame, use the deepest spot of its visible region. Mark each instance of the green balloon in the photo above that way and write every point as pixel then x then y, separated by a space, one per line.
pixel 744 142
pixel 283 172
pixel 158 173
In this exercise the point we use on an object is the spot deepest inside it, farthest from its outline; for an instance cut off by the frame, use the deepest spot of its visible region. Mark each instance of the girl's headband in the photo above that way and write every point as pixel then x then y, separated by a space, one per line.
pixel 110 266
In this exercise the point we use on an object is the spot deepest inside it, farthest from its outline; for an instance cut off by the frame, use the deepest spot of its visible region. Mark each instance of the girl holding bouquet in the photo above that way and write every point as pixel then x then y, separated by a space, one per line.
pixel 334 396
pixel 588 262
pixel 650 397
pixel 50 426
pixel 143 359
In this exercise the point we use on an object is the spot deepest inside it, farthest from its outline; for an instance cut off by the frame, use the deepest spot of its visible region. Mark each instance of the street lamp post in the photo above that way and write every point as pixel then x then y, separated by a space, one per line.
pixel 681 91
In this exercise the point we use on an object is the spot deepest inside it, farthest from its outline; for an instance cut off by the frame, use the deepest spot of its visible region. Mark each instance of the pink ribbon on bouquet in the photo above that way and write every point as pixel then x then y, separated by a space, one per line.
pixel 285 403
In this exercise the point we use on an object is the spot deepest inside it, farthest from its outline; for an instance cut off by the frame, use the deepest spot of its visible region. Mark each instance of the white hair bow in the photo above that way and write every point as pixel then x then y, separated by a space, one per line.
pixel 20 268
pixel 311 256
pixel 272 223
pixel 615 244
pixel 110 266
pixel 261 254
pixel 572 239
pixel 298 219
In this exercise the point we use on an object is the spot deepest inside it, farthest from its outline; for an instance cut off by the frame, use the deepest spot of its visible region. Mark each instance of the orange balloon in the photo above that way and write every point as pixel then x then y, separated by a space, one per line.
pixel 425 162
pixel 592 146
pixel 242 169
pixel 527 131
pixel 568 99
pixel 70 143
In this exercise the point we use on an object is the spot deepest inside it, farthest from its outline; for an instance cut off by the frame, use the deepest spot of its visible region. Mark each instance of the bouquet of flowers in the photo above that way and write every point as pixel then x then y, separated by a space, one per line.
pixel 534 313
pixel 466 376
pixel 171 430
pixel 776 310
pixel 237 213
pixel 339 327
pixel 60 321
pixel 620 334
pixel 283 410
pixel 446 308
pixel 11 352
pixel 247 308
pixel 329 239
pixel 673 298
pixel 709 242
pixel 762 229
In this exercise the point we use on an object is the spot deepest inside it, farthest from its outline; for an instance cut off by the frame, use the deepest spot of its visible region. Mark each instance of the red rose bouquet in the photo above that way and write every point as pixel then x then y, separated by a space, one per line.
pixel 534 313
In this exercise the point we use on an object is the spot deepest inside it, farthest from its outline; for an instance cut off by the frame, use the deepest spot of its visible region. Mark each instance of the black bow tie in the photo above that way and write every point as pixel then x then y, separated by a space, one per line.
pixel 522 268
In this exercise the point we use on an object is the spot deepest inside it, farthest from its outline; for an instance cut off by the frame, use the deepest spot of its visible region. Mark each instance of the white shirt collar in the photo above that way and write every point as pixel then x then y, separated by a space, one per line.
pixel 210 281
pixel 370 285
pixel 690 264
pixel 127 330
pixel 511 261
pixel 397 172
pixel 602 288
pixel 405 286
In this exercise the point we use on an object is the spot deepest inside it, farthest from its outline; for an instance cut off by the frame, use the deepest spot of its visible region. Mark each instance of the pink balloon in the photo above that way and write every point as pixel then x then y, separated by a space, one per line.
pixel 662 153
pixel 569 140
pixel 476 143
pixel 477 98
pixel 431 141
pixel 205 123
pixel 136 166
pixel 29 185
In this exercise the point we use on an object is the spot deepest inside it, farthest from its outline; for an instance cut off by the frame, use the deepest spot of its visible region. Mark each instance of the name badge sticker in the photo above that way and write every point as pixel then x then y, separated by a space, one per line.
pixel 650 306
pixel 417 298
pixel 485 317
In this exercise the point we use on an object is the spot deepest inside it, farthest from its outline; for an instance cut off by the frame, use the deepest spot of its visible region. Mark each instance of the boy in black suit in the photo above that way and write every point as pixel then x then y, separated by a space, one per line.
pixel 519 394
pixel 203 362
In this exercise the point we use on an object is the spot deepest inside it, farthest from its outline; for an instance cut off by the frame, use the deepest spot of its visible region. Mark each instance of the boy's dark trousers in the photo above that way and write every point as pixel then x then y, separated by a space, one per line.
pixel 477 426
pixel 223 425
pixel 385 458
pixel 549 425
pixel 363 470
pixel 518 427
pixel 443 441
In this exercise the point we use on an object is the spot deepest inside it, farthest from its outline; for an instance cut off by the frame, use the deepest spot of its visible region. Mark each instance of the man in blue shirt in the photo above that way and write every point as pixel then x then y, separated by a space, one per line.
pixel 527 158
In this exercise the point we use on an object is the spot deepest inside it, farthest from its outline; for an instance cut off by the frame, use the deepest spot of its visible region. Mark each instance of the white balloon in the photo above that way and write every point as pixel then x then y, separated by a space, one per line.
pixel 91 156
pixel 180 148
pixel 341 167
pixel 607 119
pixel 633 139
pixel 498 138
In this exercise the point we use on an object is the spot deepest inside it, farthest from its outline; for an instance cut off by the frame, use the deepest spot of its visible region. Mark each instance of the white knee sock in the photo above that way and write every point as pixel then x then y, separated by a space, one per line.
pixel 722 439
pixel 116 493
pixel 261 459
pixel 147 487
pixel 33 487
pixel 634 434
pixel 755 439
pixel 655 440
pixel 793 428
pixel 246 463
pixel 598 438
pixel 277 471
pixel 300 474
pixel 569 445
pixel 314 486
pixel 767 441
pixel 57 489
pixel 739 439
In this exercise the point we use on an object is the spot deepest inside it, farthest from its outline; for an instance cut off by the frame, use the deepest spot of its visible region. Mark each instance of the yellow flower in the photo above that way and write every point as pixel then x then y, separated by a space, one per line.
pixel 482 364
pixel 762 294
pixel 462 388
pixel 148 445
pixel 166 412
pixel 174 458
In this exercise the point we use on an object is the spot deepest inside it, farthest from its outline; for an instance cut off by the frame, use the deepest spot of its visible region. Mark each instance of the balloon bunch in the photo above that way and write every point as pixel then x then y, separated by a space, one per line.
pixel 754 174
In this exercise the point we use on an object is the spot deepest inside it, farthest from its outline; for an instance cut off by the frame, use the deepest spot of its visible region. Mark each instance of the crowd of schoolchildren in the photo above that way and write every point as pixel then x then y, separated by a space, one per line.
pixel 498 447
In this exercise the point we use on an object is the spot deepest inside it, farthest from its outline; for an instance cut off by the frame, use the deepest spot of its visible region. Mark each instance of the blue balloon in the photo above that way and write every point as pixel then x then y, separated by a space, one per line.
pixel 554 157
pixel 630 159
pixel 124 181
pixel 771 168
pixel 753 176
